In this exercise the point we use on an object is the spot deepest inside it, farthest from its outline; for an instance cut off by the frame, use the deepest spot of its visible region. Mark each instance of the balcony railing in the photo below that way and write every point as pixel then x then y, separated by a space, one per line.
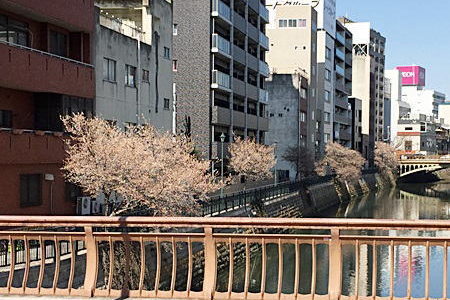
pixel 340 70
pixel 263 96
pixel 219 43
pixel 219 8
pixel 46 54
pixel 263 40
pixel 263 12
pixel 207 258
pixel 340 38
pixel 340 54
pixel 264 68
pixel 220 79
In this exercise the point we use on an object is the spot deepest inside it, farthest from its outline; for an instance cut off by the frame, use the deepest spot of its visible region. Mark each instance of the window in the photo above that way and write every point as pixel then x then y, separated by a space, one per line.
pixel 130 75
pixel 326 117
pixel 30 190
pixel 13 31
pixel 5 118
pixel 166 53
pixel 327 74
pixel 282 23
pixel 109 69
pixel 58 43
pixel 327 96
pixel 175 29
pixel 408 128
pixel 292 23
pixel 166 104
pixel 408 145
pixel 302 117
pixel 303 93
pixel 313 92
pixel 326 138
pixel 175 65
pixel 251 108
pixel 327 53
pixel 145 75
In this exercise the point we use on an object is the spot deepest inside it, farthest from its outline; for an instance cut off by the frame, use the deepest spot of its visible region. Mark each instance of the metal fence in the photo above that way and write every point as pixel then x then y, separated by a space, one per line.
pixel 216 206
pixel 173 262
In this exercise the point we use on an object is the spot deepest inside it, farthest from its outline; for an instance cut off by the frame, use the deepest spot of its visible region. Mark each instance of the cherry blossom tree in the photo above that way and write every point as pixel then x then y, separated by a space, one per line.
pixel 301 159
pixel 147 169
pixel 345 163
pixel 386 158
pixel 252 160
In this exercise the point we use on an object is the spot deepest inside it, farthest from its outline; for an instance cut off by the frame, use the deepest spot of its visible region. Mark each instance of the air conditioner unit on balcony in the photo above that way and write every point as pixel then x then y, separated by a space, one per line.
pixel 97 207
pixel 83 206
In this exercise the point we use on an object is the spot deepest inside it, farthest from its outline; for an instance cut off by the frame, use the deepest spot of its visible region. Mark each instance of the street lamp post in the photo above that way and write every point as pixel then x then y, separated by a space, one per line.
pixel 222 140
pixel 275 168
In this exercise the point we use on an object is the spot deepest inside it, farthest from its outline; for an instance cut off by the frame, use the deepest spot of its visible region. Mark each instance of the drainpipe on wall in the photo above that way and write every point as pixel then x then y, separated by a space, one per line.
pixel 138 79
pixel 174 114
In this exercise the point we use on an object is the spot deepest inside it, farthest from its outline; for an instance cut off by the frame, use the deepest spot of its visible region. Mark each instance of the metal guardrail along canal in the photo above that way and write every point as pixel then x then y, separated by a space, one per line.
pixel 216 258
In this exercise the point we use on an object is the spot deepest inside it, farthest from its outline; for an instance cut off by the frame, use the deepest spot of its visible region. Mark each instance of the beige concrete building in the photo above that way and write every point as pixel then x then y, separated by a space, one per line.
pixel 368 81
pixel 292 32
pixel 133 62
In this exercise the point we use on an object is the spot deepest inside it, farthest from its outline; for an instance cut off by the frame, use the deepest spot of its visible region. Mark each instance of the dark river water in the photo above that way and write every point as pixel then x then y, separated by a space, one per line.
pixel 405 202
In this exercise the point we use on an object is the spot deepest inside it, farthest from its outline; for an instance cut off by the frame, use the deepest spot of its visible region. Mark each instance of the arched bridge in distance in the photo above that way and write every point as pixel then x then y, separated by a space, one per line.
pixel 408 167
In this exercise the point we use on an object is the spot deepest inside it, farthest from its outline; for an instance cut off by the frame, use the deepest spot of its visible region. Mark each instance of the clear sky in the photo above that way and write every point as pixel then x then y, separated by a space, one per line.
pixel 417 32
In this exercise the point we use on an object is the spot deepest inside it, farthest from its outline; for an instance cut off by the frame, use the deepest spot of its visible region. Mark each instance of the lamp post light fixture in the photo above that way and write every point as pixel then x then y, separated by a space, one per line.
pixel 222 140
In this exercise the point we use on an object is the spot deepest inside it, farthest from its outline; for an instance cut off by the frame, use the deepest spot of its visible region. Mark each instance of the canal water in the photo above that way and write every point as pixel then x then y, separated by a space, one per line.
pixel 405 202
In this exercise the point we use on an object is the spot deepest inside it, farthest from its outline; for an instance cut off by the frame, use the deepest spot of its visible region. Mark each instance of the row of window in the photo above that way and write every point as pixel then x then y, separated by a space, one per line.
pixel 110 73
pixel 291 23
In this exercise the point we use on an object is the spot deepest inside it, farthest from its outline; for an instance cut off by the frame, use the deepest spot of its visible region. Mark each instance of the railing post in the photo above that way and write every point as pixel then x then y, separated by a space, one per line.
pixel 209 281
pixel 335 274
pixel 91 262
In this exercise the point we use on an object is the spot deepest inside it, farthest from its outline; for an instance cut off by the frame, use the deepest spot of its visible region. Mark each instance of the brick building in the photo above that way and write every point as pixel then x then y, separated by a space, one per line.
pixel 45 58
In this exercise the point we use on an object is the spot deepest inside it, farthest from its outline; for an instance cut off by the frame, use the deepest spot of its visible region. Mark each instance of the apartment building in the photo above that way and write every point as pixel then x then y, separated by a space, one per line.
pixel 45 57
pixel 293 34
pixel 356 124
pixel 343 58
pixel 417 136
pixel 368 81
pixel 134 77
pixel 219 64
pixel 288 127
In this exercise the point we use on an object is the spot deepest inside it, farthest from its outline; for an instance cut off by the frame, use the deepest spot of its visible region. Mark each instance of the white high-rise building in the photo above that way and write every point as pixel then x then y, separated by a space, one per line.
pixel 422 101
pixel 397 108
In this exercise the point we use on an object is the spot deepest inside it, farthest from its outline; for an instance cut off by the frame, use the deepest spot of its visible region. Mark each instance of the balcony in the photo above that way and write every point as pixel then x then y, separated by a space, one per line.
pixel 252 62
pixel 264 68
pixel 239 86
pixel 88 254
pixel 340 70
pixel 37 71
pixel 342 119
pixel 253 32
pixel 264 12
pixel 263 96
pixel 341 102
pixel 76 14
pixel 20 146
pixel 220 9
pixel 220 80
pixel 340 37
pixel 239 22
pixel 340 54
pixel 263 124
pixel 252 91
pixel 221 115
pixel 239 55
pixel 220 45
pixel 263 40
pixel 348 74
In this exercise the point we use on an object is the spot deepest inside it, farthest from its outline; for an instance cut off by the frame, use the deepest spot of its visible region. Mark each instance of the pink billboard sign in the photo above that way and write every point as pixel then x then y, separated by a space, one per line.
pixel 412 75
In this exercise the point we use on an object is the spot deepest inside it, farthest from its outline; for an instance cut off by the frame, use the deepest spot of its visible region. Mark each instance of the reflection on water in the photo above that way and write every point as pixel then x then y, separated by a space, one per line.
pixel 410 202
pixel 406 202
